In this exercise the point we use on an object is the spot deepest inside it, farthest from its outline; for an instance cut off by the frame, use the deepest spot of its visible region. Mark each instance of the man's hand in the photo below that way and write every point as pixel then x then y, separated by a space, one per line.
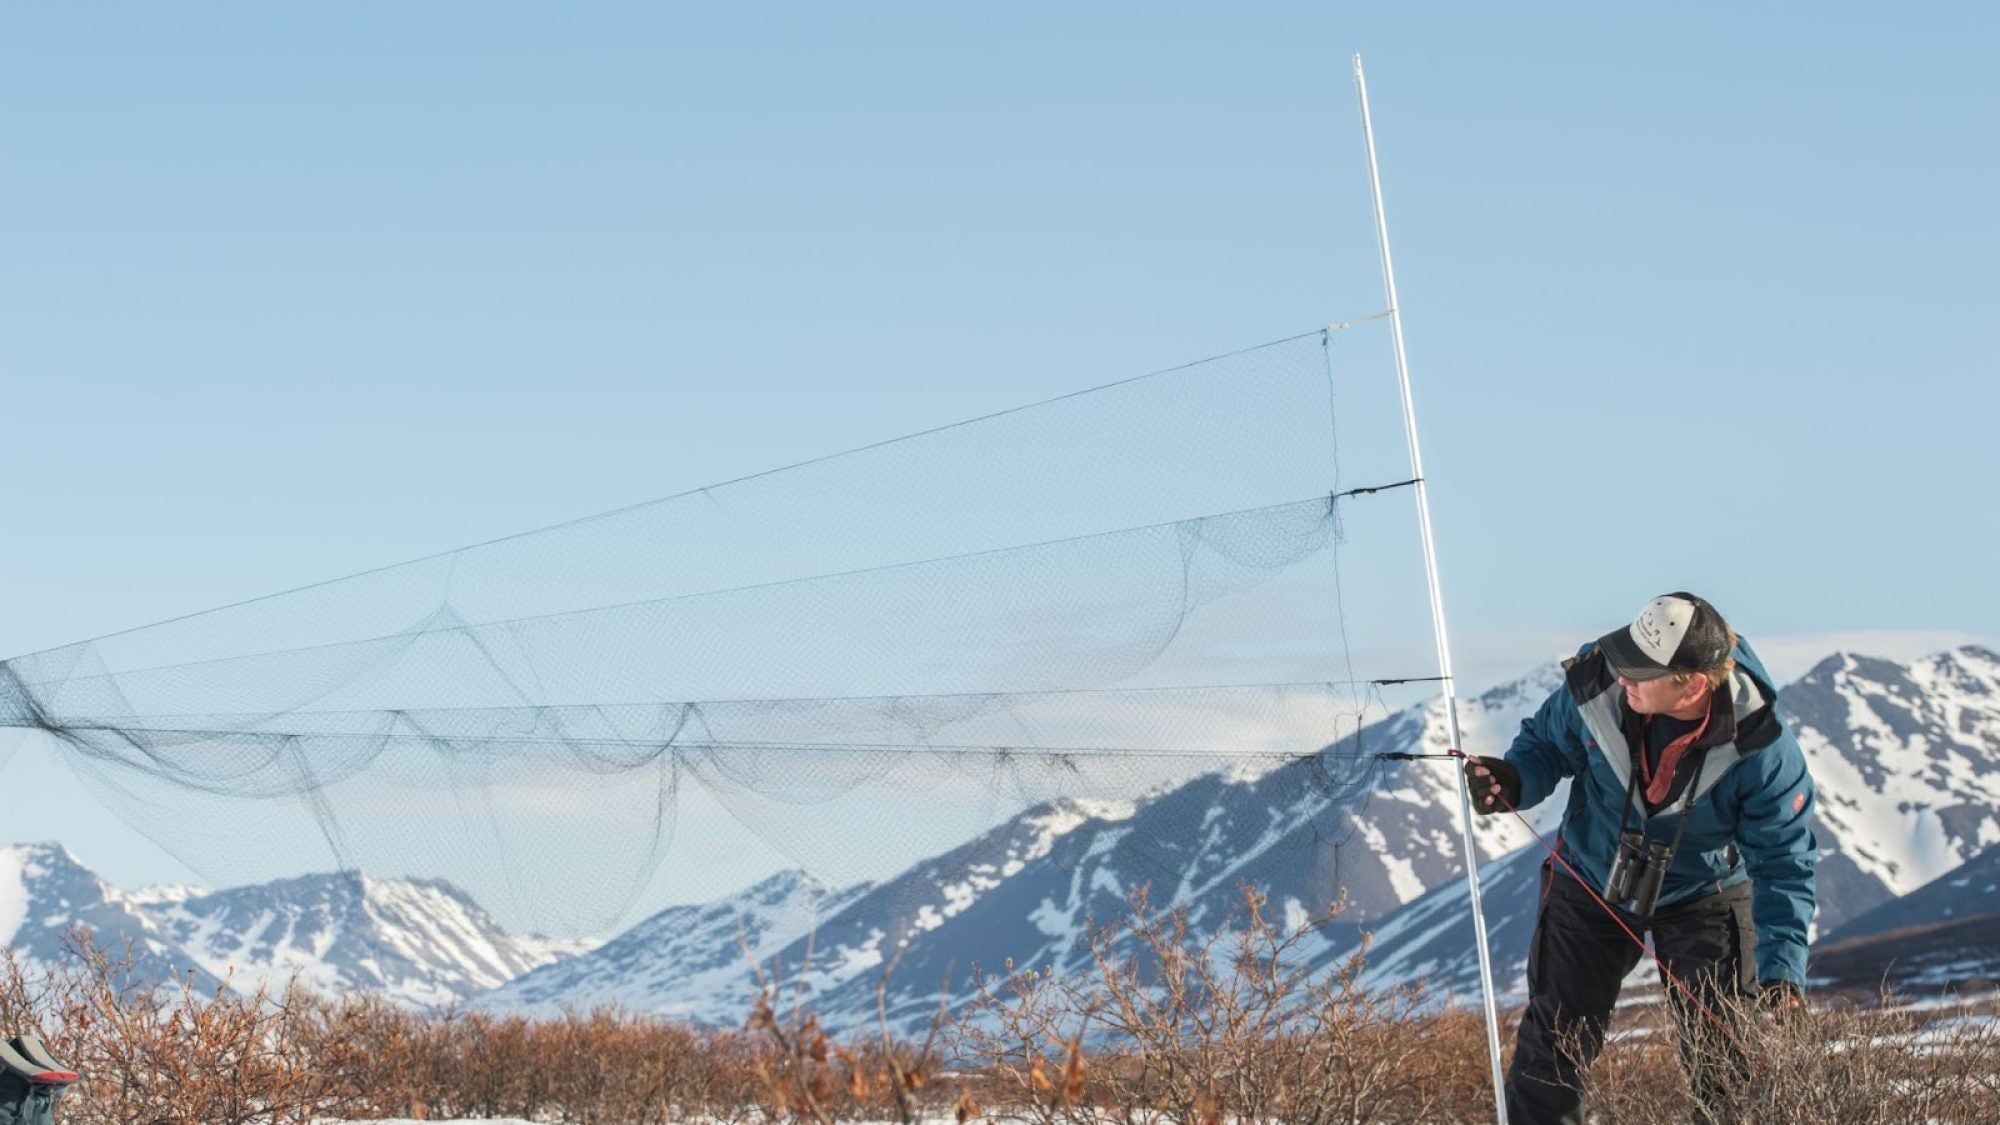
pixel 1495 785
pixel 1781 998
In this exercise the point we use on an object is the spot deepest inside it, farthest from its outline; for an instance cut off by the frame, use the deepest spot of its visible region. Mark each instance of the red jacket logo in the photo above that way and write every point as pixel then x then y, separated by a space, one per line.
pixel 1798 801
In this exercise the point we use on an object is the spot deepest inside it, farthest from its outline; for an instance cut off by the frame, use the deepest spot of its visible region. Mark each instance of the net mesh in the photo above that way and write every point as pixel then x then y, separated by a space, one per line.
pixel 853 660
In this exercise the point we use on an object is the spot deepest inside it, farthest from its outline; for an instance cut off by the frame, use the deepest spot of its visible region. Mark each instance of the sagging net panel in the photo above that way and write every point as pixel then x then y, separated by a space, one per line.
pixel 856 660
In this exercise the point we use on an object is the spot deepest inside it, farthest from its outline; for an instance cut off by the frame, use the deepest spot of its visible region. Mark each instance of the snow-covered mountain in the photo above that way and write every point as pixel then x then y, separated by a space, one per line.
pixel 46 895
pixel 702 963
pixel 1907 760
pixel 423 943
pixel 1305 839
pixel 1026 892
pixel 1944 935
pixel 1970 890
pixel 694 963
pixel 418 942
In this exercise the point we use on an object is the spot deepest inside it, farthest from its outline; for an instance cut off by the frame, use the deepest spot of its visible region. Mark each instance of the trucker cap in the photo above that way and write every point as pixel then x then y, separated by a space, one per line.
pixel 1673 633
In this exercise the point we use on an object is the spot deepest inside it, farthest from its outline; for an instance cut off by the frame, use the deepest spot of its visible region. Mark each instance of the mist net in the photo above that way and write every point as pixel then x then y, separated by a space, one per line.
pixel 851 663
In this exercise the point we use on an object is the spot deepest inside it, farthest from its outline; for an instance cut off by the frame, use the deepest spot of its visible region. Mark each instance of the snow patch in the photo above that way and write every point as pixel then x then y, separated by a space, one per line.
pixel 854 961
pixel 166 894
pixel 1296 915
pixel 1403 877
pixel 1053 920
pixel 1106 880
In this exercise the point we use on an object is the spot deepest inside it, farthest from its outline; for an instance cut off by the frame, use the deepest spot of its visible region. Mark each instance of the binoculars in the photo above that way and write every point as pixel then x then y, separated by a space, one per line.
pixel 1638 871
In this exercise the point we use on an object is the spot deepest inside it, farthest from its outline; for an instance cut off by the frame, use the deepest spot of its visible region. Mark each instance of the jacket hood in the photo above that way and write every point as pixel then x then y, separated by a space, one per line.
pixel 1761 727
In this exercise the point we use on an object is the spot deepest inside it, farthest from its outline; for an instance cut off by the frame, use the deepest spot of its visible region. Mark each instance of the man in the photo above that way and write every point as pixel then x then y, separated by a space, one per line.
pixel 1670 733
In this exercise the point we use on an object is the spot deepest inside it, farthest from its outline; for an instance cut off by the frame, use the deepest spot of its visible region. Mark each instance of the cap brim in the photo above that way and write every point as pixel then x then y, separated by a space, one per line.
pixel 1627 659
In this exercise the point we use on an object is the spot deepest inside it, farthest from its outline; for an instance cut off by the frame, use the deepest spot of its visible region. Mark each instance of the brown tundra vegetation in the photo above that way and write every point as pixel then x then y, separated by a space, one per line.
pixel 1163 1029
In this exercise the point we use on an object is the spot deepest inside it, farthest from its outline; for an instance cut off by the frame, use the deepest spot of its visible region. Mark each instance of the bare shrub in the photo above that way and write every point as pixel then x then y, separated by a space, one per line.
pixel 1159 1027
pixel 1231 1027
pixel 172 1055
pixel 1887 1062
pixel 806 1074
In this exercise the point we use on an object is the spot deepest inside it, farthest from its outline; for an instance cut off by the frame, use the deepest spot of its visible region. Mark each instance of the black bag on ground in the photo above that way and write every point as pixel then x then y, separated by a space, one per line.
pixel 32 1082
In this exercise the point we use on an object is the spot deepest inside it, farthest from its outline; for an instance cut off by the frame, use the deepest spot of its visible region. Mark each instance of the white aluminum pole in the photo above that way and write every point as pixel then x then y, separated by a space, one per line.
pixel 1437 598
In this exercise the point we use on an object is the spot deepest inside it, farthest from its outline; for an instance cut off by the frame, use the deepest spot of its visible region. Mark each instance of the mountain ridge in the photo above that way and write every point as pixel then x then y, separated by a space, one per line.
pixel 419 942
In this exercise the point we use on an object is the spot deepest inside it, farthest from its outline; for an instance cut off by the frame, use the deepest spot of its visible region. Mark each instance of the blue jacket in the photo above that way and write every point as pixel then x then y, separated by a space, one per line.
pixel 1752 811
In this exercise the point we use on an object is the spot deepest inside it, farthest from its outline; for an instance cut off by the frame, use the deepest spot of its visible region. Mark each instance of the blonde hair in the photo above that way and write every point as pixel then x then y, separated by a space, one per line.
pixel 1718 675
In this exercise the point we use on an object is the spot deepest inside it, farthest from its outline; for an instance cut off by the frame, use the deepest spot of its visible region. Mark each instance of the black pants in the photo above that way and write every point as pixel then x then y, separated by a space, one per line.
pixel 1575 965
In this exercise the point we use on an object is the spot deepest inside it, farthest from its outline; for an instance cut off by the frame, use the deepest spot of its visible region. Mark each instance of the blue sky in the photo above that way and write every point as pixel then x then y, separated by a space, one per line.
pixel 1696 297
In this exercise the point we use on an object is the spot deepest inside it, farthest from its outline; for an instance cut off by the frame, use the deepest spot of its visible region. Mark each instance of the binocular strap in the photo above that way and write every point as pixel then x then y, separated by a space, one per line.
pixel 1680 828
